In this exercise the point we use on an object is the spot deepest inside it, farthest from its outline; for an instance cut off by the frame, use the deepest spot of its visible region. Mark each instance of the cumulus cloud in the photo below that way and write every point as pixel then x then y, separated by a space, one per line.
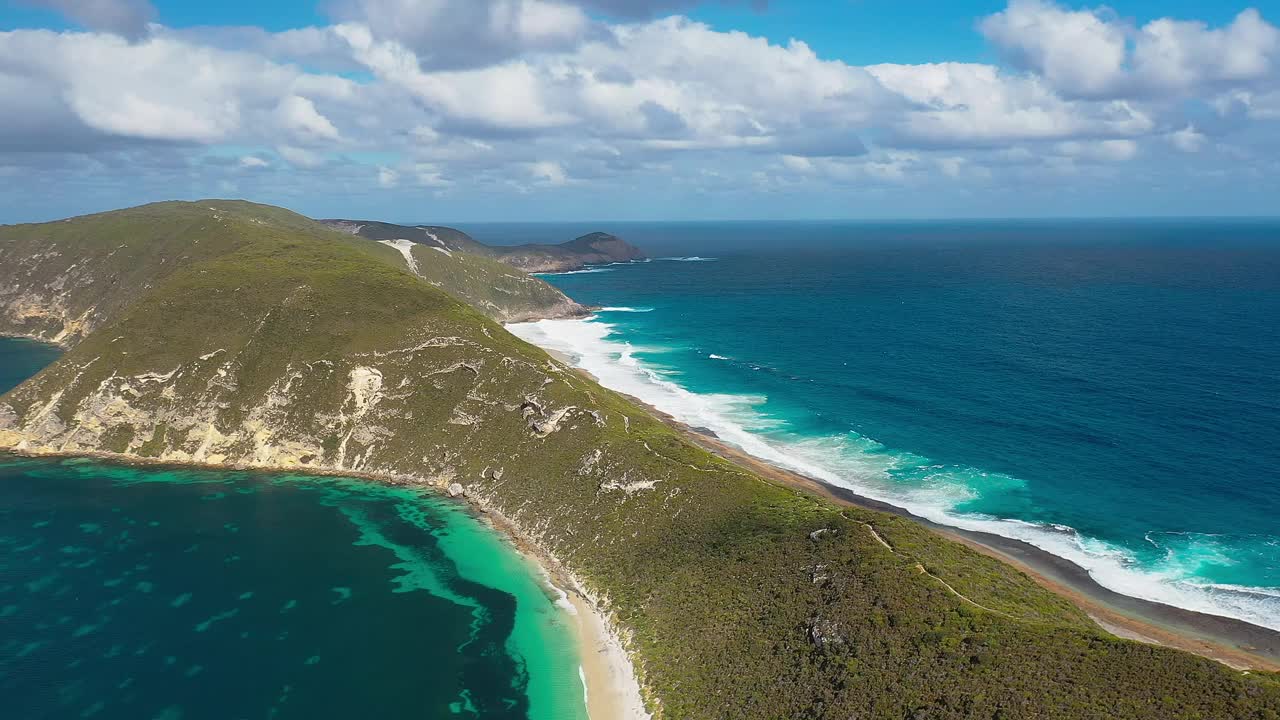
pixel 686 86
pixel 128 18
pixel 431 175
pixel 1183 55
pixel 960 104
pixel 548 172
pixel 1188 139
pixel 650 8
pixel 161 90
pixel 300 157
pixel 484 96
pixel 1080 52
pixel 1093 53
pixel 453 34
pixel 299 115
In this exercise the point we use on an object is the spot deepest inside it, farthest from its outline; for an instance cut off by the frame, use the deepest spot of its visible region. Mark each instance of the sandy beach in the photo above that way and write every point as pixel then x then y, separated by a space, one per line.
pixel 612 691
pixel 612 687
pixel 1234 643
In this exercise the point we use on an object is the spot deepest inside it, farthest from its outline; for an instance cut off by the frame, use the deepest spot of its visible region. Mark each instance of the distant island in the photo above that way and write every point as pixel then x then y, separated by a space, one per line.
pixel 231 334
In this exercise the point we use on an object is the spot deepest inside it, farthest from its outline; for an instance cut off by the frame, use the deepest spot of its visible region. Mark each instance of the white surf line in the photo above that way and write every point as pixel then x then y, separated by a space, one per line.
pixel 406 249
pixel 588 344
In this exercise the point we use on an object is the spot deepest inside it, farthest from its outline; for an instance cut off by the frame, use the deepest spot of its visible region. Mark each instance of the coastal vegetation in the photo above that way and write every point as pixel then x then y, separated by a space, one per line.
pixel 595 248
pixel 241 335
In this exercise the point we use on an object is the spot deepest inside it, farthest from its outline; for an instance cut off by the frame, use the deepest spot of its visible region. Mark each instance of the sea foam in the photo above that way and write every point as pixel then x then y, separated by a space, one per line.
pixel 584 271
pixel 908 481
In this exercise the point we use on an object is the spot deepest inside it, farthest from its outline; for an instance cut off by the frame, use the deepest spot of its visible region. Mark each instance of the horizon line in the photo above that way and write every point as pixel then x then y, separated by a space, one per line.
pixel 1038 218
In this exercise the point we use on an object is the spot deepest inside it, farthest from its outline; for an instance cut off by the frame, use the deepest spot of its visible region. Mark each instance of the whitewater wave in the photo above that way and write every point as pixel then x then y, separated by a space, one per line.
pixel 691 258
pixel 584 271
pixel 912 482
pixel 626 309
pixel 714 356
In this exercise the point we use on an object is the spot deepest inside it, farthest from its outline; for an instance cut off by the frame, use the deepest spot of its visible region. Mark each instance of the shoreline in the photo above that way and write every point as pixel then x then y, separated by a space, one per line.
pixel 612 688
pixel 1234 643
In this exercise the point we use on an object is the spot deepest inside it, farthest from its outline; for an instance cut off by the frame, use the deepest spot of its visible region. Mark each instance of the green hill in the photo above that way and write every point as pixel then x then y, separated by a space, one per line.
pixel 273 342
pixel 593 249
pixel 59 281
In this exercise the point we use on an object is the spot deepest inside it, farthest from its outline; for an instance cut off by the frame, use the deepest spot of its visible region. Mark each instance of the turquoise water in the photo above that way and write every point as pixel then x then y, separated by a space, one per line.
pixel 1108 391
pixel 129 592
pixel 20 359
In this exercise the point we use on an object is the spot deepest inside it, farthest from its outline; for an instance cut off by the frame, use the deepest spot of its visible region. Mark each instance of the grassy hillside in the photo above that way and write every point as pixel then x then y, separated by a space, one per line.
pixel 593 249
pixel 496 289
pixel 291 348
pixel 429 235
pixel 60 281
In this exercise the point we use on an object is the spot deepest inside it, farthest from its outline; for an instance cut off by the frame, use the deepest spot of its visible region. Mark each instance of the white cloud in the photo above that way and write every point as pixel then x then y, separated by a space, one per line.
pixel 968 104
pixel 547 172
pixel 299 115
pixel 1182 55
pixel 128 18
pixel 685 86
pixel 507 96
pixel 798 164
pixel 1092 53
pixel 1188 139
pixel 452 34
pixel 1101 151
pixel 300 157
pixel 431 175
pixel 160 89
pixel 539 93
pixel 1079 52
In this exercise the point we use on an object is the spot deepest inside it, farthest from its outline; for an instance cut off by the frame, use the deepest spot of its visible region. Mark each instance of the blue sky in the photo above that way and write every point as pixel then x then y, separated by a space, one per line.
pixel 857 31
pixel 644 109
pixel 876 31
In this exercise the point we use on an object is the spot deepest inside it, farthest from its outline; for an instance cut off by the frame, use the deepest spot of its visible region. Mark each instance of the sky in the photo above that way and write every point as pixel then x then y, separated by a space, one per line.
pixel 584 110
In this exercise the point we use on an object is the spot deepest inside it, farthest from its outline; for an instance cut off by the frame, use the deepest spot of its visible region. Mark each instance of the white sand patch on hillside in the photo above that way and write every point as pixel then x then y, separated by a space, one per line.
pixel 406 249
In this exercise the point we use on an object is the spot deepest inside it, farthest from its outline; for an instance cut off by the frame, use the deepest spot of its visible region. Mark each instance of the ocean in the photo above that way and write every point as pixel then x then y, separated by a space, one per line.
pixel 154 592
pixel 1108 391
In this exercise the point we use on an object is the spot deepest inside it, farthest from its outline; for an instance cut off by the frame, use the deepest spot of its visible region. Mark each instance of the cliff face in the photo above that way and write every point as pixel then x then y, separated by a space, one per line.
pixel 593 249
pixel 292 348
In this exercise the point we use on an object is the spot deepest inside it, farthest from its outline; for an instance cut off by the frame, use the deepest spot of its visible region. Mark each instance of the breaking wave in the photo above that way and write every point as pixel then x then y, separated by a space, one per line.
pixel 915 483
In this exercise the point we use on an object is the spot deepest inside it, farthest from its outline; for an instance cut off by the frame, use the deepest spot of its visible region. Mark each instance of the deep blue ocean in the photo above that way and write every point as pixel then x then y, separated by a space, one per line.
pixel 1108 391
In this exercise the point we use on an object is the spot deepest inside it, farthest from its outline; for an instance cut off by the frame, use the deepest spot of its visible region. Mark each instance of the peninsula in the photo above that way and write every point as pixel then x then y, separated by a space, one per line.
pixel 596 248
pixel 233 334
